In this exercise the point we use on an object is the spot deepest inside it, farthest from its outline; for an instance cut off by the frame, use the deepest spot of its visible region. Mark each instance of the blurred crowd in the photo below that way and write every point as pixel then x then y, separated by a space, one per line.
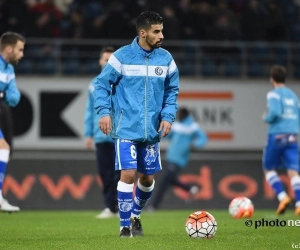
pixel 245 20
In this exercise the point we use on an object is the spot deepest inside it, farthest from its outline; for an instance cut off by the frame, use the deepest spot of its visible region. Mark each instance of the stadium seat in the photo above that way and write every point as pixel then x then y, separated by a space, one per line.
pixel 70 66
pixel 296 72
pixel 232 68
pixel 291 12
pixel 92 9
pixel 25 66
pixel 279 62
pixel 281 51
pixel 209 67
pixel 260 49
pixel 256 69
pixel 47 66
pixel 186 68
pixel 92 67
pixel 190 50
pixel 295 32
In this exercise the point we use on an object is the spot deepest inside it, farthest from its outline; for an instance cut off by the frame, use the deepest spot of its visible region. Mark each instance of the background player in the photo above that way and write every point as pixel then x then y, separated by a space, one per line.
pixel 185 133
pixel 105 148
pixel 11 51
pixel 282 146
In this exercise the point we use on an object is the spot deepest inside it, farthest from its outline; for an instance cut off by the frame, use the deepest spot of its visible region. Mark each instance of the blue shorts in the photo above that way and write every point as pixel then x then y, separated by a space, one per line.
pixel 1 134
pixel 281 151
pixel 145 158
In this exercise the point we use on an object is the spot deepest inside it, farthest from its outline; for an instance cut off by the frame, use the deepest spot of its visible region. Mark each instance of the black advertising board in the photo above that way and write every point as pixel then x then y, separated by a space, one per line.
pixel 74 184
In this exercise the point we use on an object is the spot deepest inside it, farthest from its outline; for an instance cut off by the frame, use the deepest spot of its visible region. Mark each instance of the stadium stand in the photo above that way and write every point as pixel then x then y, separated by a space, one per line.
pixel 256 25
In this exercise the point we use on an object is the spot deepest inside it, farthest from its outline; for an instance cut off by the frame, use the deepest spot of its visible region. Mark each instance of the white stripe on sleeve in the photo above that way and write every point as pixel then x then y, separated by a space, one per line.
pixel 273 95
pixel 115 63
pixel 172 67
pixel 6 78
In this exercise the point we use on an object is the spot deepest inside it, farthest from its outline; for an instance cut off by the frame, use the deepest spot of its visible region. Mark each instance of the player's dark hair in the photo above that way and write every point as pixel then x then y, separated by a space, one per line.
pixel 10 38
pixel 182 113
pixel 278 73
pixel 108 49
pixel 146 19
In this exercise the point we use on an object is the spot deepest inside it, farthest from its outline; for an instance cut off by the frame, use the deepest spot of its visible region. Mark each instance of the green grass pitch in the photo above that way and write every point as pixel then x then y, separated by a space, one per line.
pixel 163 230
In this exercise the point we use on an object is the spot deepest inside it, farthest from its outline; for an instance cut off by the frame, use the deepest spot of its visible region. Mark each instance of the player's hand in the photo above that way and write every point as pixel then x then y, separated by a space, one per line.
pixel 263 116
pixel 164 128
pixel 2 95
pixel 89 142
pixel 105 124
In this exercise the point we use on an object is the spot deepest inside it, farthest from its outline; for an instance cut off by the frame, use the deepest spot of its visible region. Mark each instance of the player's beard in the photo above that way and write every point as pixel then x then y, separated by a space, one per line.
pixel 13 60
pixel 153 45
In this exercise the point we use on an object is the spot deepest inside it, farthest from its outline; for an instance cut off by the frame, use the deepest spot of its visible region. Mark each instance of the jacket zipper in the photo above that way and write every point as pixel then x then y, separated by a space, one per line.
pixel 121 115
pixel 146 99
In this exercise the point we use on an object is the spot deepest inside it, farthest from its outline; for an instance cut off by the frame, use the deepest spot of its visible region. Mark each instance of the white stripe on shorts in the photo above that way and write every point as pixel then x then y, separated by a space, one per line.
pixel 118 154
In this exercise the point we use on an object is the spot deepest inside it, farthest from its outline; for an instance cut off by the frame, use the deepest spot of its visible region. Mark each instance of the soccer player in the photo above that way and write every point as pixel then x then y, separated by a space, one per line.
pixel 282 146
pixel 105 148
pixel 11 51
pixel 185 134
pixel 136 99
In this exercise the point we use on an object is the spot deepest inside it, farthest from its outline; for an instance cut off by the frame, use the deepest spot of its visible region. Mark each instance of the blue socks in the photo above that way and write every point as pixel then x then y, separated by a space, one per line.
pixel 295 182
pixel 274 180
pixel 125 202
pixel 142 196
pixel 129 207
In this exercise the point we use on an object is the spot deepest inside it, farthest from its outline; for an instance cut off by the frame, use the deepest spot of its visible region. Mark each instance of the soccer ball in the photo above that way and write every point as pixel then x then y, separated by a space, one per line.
pixel 201 225
pixel 241 207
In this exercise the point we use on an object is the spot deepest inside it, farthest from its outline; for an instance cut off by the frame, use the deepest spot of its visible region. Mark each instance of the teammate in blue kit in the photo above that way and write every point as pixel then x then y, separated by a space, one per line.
pixel 136 99
pixel 283 117
pixel 185 133
pixel 11 51
pixel 105 148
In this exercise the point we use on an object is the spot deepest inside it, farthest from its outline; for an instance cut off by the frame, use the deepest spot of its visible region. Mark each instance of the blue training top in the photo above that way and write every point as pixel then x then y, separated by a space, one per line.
pixel 283 111
pixel 183 135
pixel 8 83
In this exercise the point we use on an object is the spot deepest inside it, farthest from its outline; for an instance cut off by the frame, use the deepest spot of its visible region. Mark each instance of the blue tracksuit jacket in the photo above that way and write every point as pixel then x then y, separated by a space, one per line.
pixel 8 83
pixel 138 90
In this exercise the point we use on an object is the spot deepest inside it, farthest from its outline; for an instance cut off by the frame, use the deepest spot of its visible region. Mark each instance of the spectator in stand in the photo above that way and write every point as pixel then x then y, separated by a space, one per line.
pixel 203 19
pixel 63 5
pixel 238 6
pixel 95 28
pixel 171 21
pixel 184 13
pixel 13 16
pixel 117 19
pixel 156 5
pixel 223 9
pixel 74 26
pixel 252 21
pixel 44 20
pixel 222 30
pixel 196 18
pixel 274 24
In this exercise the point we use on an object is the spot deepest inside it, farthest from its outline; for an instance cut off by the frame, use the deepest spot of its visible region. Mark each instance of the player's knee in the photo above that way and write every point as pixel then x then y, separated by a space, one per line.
pixel 4 144
pixel 146 180
pixel 292 173
pixel 128 176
